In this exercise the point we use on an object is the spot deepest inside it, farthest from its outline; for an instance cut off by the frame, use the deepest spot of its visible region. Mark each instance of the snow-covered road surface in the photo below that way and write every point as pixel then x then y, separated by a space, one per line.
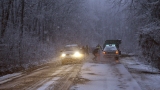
pixel 101 75
pixel 49 78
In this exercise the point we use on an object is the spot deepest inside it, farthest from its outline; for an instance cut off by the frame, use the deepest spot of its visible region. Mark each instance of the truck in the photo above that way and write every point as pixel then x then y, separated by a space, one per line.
pixel 115 42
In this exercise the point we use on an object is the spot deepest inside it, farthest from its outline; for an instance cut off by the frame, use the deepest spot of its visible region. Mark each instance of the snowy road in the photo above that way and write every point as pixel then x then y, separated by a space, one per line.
pixel 101 75
pixel 48 78
pixel 105 77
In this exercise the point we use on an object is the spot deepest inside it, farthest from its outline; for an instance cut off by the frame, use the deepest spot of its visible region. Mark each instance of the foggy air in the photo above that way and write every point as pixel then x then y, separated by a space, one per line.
pixel 60 36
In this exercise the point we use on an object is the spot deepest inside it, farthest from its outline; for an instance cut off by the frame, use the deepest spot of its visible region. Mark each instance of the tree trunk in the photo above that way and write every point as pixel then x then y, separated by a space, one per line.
pixel 21 33
pixel 5 16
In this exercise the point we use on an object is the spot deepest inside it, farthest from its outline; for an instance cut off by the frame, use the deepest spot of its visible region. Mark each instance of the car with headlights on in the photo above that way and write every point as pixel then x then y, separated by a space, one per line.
pixel 111 51
pixel 71 54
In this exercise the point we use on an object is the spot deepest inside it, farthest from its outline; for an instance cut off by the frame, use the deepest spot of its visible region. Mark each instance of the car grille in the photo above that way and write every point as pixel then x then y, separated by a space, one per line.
pixel 110 52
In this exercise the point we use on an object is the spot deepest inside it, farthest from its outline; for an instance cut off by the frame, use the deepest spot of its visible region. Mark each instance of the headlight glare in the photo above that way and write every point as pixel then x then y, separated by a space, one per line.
pixel 63 55
pixel 77 54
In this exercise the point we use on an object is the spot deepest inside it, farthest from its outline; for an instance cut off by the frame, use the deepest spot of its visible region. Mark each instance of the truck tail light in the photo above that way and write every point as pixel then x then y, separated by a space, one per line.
pixel 116 51
pixel 104 52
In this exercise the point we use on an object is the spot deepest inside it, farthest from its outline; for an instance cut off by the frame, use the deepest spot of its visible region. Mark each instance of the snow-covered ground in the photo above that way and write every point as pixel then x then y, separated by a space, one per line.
pixel 146 76
pixel 9 77
pixel 111 76
pixel 129 74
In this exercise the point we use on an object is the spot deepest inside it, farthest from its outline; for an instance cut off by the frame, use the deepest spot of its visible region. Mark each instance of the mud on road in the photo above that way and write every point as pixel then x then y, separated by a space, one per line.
pixel 46 78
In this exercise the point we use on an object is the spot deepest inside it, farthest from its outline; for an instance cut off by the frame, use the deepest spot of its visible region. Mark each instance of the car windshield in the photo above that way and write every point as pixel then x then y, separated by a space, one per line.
pixel 70 48
pixel 110 48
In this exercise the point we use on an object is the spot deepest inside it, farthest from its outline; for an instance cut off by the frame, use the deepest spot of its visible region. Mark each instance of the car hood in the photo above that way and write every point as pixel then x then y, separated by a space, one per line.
pixel 69 52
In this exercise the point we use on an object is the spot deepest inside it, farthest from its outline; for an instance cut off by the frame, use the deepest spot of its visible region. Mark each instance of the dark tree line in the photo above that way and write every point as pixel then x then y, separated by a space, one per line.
pixel 30 29
pixel 146 15
pixel 149 35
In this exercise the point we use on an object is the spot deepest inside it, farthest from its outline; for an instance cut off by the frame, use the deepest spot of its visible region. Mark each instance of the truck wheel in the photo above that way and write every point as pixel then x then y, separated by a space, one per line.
pixel 116 58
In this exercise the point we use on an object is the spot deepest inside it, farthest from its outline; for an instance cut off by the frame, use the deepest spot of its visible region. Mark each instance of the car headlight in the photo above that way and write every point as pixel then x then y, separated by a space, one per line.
pixel 63 55
pixel 77 54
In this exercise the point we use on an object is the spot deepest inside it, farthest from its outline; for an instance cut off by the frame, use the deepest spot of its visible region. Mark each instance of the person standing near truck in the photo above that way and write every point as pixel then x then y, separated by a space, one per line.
pixel 95 53
pixel 98 46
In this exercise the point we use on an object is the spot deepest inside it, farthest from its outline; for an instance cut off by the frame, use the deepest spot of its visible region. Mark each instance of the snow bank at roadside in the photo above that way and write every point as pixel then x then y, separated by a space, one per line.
pixel 133 62
pixel 147 76
pixel 9 77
